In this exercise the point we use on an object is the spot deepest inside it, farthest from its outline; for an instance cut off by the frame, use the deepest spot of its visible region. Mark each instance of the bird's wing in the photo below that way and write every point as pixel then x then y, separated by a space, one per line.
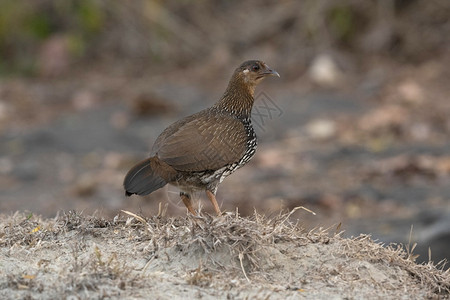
pixel 201 142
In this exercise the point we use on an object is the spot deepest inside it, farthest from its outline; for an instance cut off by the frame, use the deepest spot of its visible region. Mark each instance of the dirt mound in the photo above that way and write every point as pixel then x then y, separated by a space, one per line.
pixel 226 257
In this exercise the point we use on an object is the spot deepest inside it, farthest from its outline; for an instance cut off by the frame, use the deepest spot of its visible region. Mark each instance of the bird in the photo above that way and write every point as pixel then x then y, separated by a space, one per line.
pixel 199 151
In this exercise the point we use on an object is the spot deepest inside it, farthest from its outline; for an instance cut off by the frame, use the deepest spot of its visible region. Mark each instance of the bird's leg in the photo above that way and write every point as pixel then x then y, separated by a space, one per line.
pixel 187 201
pixel 213 200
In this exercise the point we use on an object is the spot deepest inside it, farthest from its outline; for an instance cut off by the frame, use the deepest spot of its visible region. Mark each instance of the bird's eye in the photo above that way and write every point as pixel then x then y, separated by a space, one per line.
pixel 255 68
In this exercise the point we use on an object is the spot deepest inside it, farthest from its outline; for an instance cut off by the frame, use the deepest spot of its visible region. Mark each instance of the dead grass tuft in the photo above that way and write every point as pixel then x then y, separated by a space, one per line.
pixel 430 275
pixel 74 253
pixel 25 229
pixel 244 238
pixel 98 269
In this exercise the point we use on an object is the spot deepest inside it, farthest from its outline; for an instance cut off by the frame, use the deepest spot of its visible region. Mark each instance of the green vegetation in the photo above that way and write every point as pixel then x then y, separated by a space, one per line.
pixel 25 26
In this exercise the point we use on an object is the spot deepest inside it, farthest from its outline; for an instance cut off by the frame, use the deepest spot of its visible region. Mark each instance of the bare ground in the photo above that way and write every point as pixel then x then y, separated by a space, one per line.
pixel 75 256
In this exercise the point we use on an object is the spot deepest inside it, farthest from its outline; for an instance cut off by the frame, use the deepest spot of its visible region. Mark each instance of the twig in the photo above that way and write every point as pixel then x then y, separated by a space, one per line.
pixel 241 256
pixel 142 220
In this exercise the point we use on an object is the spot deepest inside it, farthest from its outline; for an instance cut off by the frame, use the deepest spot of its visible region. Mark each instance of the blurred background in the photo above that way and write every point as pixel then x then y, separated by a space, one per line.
pixel 356 129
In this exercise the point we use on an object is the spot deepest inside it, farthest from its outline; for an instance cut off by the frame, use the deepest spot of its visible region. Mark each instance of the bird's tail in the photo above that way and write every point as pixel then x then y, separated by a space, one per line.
pixel 147 176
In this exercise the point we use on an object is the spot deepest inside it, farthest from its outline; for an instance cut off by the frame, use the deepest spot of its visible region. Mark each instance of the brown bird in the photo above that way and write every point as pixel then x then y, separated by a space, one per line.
pixel 199 151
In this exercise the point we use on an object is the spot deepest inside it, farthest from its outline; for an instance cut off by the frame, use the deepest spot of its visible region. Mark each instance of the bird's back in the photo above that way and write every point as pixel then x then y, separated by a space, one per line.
pixel 208 140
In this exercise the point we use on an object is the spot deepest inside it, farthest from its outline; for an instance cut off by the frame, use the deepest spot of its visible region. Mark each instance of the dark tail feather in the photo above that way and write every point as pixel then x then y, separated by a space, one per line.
pixel 143 178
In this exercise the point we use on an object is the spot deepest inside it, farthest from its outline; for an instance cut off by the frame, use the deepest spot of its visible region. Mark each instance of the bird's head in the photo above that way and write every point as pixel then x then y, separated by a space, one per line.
pixel 239 95
pixel 253 71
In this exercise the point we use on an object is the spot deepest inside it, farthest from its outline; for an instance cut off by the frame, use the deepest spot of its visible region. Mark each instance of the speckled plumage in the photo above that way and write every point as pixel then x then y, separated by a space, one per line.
pixel 201 150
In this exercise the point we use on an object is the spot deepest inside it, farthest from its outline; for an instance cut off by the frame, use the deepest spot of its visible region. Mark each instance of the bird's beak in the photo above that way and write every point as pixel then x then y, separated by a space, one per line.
pixel 270 72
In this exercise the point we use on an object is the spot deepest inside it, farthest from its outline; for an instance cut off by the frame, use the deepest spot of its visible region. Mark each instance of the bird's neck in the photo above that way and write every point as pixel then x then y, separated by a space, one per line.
pixel 238 98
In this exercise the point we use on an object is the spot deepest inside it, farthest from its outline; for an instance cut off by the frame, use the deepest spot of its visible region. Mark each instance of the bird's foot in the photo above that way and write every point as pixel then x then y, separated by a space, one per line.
pixel 186 198
pixel 213 200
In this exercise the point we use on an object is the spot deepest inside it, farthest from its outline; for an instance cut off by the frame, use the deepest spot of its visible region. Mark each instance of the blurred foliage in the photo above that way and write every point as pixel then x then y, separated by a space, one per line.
pixel 178 33
pixel 26 25
pixel 343 22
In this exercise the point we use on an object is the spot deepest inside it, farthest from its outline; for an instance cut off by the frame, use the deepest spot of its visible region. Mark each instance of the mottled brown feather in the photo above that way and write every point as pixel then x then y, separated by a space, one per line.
pixel 203 141
pixel 147 176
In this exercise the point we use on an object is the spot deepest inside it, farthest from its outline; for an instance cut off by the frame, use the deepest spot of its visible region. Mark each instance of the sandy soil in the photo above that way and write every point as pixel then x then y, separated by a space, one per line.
pixel 130 257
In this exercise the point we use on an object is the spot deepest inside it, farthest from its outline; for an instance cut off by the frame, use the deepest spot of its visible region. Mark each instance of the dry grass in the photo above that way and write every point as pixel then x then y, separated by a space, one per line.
pixel 132 255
